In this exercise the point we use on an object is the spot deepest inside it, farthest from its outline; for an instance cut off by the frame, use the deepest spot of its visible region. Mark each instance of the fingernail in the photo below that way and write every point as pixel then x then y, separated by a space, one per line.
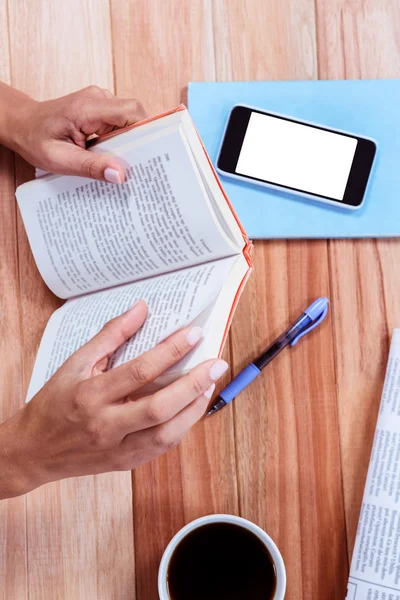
pixel 218 369
pixel 133 305
pixel 112 175
pixel 208 393
pixel 194 335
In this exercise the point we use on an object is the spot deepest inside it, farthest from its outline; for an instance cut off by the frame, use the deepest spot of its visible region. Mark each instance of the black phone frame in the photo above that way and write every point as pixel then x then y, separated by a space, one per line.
pixel 359 172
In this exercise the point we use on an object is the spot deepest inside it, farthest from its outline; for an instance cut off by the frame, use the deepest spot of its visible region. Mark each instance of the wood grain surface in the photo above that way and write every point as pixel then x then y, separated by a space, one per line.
pixel 360 40
pixel 291 453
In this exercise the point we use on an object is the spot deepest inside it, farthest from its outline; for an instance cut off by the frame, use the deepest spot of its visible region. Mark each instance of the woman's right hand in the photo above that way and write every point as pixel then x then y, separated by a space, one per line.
pixel 85 421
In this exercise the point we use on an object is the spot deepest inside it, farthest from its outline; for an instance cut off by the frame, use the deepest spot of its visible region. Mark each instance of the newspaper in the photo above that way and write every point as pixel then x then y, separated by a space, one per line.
pixel 375 567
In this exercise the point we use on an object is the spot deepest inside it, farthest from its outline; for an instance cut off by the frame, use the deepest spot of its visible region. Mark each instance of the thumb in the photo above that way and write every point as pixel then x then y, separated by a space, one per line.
pixel 69 159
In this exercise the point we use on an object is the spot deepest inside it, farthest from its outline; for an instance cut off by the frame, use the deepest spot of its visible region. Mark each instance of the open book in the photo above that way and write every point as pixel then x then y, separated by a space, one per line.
pixel 168 235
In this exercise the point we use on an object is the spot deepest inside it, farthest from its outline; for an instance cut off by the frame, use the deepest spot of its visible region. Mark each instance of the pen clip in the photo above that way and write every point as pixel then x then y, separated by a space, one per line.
pixel 313 326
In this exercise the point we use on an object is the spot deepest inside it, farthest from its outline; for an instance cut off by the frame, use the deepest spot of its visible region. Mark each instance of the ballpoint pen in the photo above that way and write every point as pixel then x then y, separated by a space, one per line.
pixel 310 319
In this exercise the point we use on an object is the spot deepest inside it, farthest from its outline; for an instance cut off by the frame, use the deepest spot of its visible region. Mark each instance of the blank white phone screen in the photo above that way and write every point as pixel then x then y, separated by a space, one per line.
pixel 296 156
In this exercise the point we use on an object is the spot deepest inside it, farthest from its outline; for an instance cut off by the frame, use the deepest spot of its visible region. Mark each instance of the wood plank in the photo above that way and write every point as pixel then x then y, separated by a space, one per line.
pixel 264 40
pixel 199 477
pixel 159 46
pixel 13 555
pixel 80 531
pixel 287 438
pixel 360 40
pixel 58 48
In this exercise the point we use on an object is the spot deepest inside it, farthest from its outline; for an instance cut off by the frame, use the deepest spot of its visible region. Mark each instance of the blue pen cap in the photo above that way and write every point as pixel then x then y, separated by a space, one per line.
pixel 316 312
pixel 317 308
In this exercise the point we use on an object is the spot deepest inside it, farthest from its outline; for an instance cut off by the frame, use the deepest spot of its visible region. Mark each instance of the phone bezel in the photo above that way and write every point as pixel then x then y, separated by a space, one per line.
pixel 359 172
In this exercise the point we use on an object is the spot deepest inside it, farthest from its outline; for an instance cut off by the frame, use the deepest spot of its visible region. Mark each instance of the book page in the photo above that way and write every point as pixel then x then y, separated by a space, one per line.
pixel 174 300
pixel 200 161
pixel 89 235
pixel 214 320
pixel 211 183
pixel 375 566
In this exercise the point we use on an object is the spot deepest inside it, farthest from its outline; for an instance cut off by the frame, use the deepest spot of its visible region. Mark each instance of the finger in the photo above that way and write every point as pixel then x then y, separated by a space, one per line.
pixel 91 91
pixel 98 93
pixel 164 405
pixel 104 127
pixel 112 335
pixel 165 437
pixel 70 159
pixel 117 112
pixel 94 91
pixel 122 381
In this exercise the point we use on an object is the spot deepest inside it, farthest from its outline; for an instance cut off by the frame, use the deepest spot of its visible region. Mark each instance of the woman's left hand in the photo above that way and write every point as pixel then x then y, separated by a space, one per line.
pixel 52 135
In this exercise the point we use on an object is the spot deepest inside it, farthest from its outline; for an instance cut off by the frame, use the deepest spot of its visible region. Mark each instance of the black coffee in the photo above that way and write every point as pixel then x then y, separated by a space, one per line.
pixel 221 561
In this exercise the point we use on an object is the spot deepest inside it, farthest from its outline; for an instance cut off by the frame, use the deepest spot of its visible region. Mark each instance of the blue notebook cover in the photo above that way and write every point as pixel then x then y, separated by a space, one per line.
pixel 367 108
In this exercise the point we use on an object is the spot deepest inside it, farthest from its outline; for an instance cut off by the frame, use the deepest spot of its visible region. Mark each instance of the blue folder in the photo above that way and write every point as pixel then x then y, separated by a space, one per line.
pixel 367 108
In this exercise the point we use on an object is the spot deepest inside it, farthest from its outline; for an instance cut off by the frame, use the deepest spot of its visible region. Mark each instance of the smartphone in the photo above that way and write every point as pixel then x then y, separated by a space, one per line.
pixel 302 158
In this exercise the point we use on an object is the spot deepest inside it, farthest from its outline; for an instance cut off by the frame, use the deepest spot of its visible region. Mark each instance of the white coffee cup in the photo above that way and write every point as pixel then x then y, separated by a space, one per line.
pixel 260 533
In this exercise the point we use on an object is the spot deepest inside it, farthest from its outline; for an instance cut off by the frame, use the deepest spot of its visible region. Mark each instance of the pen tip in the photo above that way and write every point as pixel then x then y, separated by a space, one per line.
pixel 218 404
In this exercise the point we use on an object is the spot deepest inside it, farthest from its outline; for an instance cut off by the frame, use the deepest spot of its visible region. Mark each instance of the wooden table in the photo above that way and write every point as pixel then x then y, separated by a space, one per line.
pixel 292 453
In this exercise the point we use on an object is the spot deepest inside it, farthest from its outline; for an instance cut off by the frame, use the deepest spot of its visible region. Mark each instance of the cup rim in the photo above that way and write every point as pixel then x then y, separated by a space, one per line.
pixel 222 518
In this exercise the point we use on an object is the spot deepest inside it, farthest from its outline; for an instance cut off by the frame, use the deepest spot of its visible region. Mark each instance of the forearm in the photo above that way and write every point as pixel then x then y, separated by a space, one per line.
pixel 14 105
pixel 15 477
